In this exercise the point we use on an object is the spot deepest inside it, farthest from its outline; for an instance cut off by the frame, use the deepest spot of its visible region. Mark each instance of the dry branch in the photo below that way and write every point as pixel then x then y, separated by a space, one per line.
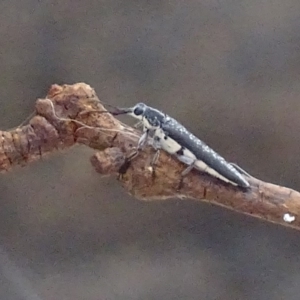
pixel 70 114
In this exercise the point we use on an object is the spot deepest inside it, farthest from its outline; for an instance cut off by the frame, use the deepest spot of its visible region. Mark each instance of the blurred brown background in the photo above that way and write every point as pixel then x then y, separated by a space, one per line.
pixel 229 70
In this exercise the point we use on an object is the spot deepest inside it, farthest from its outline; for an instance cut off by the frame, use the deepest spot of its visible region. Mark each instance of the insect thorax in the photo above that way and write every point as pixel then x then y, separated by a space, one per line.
pixel 153 118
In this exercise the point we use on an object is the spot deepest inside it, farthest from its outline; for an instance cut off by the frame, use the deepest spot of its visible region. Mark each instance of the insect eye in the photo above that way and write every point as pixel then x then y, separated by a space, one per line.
pixel 138 111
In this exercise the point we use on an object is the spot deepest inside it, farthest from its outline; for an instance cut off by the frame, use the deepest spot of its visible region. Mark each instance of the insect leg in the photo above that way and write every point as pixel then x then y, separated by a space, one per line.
pixel 184 173
pixel 123 169
pixel 155 158
pixel 138 124
pixel 141 143
pixel 184 156
pixel 241 170
pixel 143 139
pixel 155 143
pixel 153 163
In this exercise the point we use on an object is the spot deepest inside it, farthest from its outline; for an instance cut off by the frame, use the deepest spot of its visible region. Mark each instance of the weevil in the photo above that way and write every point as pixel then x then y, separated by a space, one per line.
pixel 172 137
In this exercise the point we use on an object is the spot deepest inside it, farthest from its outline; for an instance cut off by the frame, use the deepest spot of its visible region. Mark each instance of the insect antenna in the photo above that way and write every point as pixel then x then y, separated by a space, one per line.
pixel 123 128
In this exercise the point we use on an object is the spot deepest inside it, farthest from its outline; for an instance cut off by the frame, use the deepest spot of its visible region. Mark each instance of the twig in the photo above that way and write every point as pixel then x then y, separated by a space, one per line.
pixel 70 114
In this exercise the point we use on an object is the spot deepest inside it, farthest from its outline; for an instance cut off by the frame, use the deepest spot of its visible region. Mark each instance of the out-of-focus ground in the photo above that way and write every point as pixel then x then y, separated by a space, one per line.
pixel 229 70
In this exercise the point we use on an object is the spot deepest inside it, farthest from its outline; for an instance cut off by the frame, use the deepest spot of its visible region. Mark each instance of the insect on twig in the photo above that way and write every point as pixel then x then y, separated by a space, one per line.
pixel 171 136
pixel 165 133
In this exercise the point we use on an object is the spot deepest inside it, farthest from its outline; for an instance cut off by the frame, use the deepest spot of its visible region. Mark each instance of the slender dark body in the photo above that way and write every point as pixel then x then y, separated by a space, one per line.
pixel 174 138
